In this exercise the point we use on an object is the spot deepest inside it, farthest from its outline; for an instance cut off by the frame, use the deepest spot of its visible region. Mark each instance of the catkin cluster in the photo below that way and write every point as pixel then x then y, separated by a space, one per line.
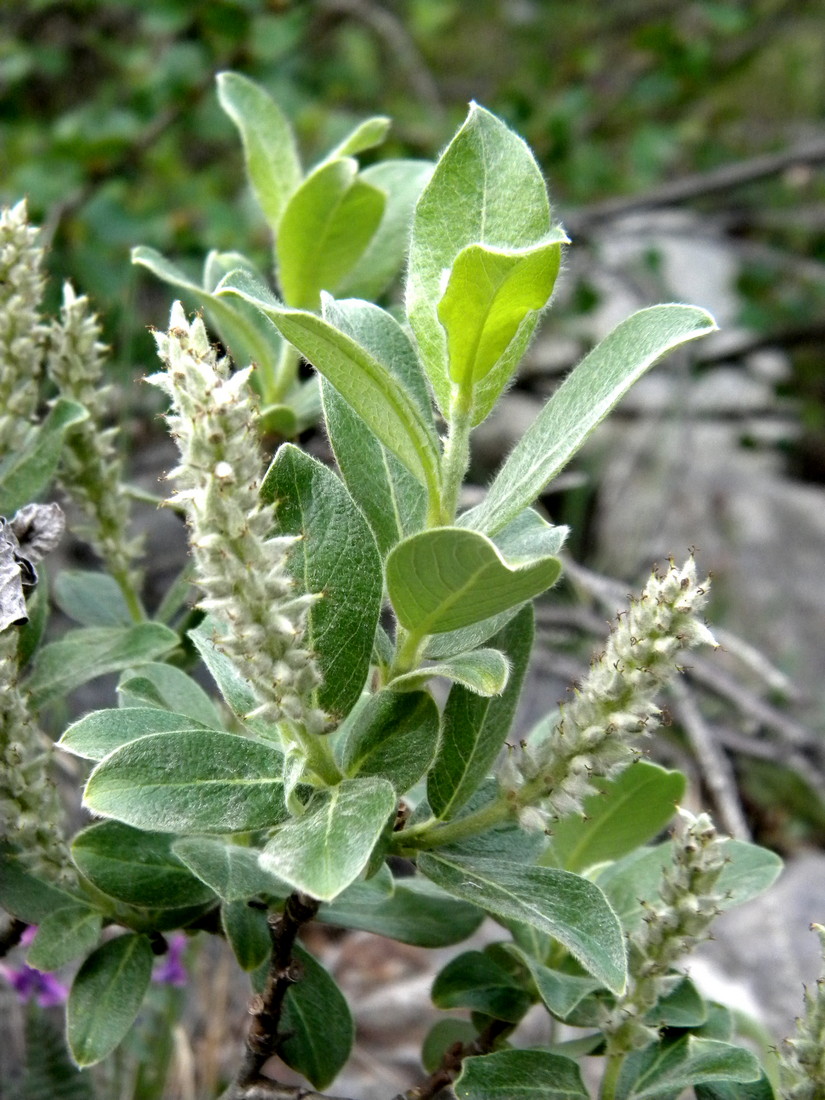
pixel 598 730
pixel 672 926
pixel 802 1068
pixel 22 333
pixel 241 570
pixel 91 469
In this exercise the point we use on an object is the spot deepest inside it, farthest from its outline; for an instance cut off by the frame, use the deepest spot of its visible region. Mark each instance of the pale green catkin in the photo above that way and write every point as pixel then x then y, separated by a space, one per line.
pixel 598 730
pixel 91 469
pixel 239 567
pixel 22 333
pixel 802 1064
pixel 676 922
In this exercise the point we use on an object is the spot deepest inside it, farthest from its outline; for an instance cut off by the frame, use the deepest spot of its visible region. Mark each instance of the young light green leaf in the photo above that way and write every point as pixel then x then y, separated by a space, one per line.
pixel 325 228
pixel 583 400
pixel 366 135
pixel 101 732
pixel 106 996
pixel 231 870
pixel 520 1075
pixel 195 781
pixel 271 155
pixel 483 672
pixel 486 189
pixel 474 729
pixel 247 933
pixel 326 849
pixel 91 599
pixel 392 735
pixel 364 383
pixel 93 651
pixel 401 181
pixel 450 577
pixel 137 867
pixel 26 473
pixel 159 685
pixel 417 913
pixel 629 811
pixel 319 1024
pixel 528 537
pixel 489 311
pixel 667 1069
pixel 477 981
pixel 567 907
pixel 64 935
pixel 336 556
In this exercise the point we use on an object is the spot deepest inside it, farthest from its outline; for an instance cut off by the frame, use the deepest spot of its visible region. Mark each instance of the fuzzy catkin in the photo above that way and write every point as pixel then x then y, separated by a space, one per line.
pixel 239 567
pixel 22 332
pixel 614 708
pixel 91 469
pixel 672 926
pixel 31 816
pixel 802 1062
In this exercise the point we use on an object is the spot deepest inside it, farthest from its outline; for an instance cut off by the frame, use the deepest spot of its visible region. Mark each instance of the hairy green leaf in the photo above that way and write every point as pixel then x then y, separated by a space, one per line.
pixel 231 870
pixel 106 996
pixel 392 735
pixel 477 981
pixel 91 599
pixel 520 1075
pixel 483 672
pixel 197 781
pixel 26 473
pixel 159 685
pixel 668 1068
pixel 318 1022
pixel 63 935
pixel 103 731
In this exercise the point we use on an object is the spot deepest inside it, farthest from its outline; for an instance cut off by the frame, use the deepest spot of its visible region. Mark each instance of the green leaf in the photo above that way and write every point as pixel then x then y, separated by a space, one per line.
pixel 236 691
pixel 272 163
pixel 520 1075
pixel 318 1021
pixel 448 577
pixel 451 642
pixel 505 840
pixel 26 896
pixel 667 1069
pixel 103 731
pixel 232 871
pixel 560 992
pixel 482 672
pixel 64 935
pixel 585 397
pixel 401 181
pixel 474 728
pixel 417 913
pixel 751 1090
pixel 528 536
pixel 336 556
pixel 489 311
pixel 476 981
pixel 27 472
pixel 748 871
pixel 386 406
pixel 628 812
pixel 443 1035
pixel 106 996
pixel 169 688
pixel 366 135
pixel 326 849
pixel 248 334
pixel 486 189
pixel 392 500
pixel 190 781
pixel 325 228
pixel 681 1007
pixel 567 907
pixel 137 867
pixel 91 599
pixel 93 651
pixel 247 932
pixel 392 735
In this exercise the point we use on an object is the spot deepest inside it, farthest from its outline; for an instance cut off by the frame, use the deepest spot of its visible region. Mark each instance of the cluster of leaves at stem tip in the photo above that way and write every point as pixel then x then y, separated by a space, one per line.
pixel 325 751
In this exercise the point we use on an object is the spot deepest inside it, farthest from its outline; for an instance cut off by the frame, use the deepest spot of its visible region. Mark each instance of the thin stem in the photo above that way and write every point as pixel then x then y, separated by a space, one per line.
pixel 438 834
pixel 610 1081
pixel 456 454
pixel 407 653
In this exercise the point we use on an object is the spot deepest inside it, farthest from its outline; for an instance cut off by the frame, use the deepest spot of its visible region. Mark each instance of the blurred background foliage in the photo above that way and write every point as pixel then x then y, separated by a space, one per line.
pixel 110 125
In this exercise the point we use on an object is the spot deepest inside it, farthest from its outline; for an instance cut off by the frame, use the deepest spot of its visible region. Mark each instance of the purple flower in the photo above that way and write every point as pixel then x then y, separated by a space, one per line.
pixel 169 968
pixel 30 983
